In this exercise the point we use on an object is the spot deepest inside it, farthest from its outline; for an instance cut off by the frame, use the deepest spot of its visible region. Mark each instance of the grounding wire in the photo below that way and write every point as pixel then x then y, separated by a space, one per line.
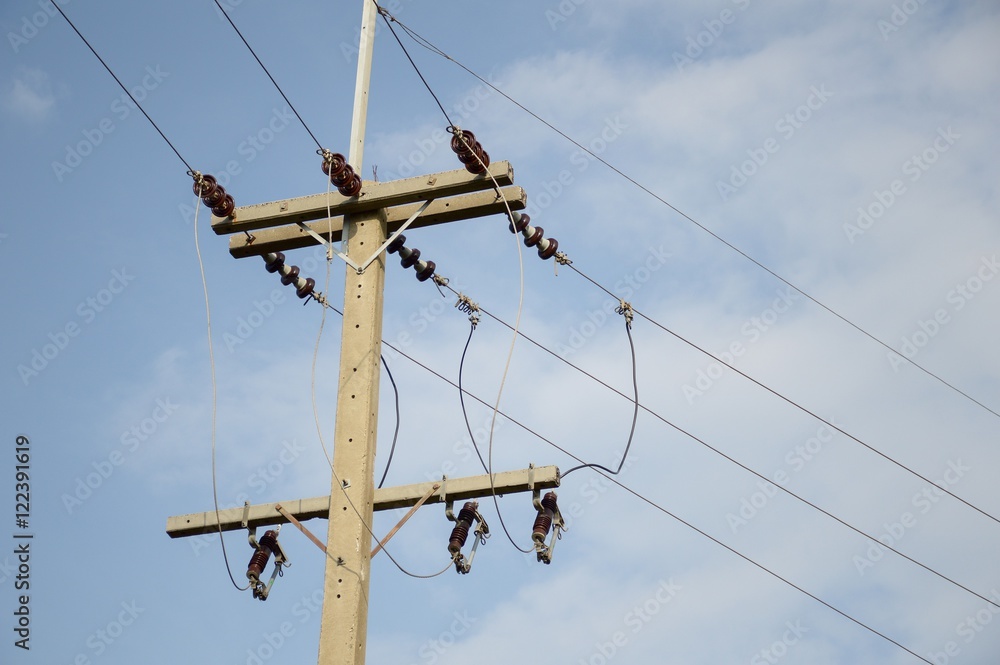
pixel 215 393
pixel 429 46
pixel 663 510
pixel 790 401
pixel 280 91
pixel 118 81
pixel 717 452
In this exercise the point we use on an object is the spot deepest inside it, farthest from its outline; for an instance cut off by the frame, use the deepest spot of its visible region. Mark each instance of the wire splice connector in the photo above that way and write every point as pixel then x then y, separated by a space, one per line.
pixel 340 173
pixel 213 194
pixel 410 258
pixel 470 152
pixel 533 235
pixel 275 262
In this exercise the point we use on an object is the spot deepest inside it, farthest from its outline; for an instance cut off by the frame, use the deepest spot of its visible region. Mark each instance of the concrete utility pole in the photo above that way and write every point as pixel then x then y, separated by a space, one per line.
pixel 364 223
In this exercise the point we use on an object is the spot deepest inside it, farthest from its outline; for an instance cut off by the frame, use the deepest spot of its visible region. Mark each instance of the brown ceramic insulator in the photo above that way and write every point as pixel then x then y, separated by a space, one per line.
pixel 549 251
pixel 275 265
pixel 521 224
pixel 541 528
pixel 226 208
pixel 457 145
pixel 424 275
pixel 411 259
pixel 549 502
pixel 335 165
pixel 215 197
pixel 460 533
pixel 396 244
pixel 205 186
pixel 306 291
pixel 533 239
pixel 293 274
pixel 343 177
pixel 352 188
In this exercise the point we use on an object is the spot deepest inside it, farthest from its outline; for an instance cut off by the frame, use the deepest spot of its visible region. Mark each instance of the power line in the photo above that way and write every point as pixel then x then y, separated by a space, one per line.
pixel 118 81
pixel 278 87
pixel 422 41
pixel 721 454
pixel 790 401
pixel 665 511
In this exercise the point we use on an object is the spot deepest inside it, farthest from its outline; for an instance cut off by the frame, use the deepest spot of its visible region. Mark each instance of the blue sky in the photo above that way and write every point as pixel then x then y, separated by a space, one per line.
pixel 849 147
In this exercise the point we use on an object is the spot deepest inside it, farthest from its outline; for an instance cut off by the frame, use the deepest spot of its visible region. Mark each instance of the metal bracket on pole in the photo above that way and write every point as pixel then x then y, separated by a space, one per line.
pixel 395 235
pixel 330 250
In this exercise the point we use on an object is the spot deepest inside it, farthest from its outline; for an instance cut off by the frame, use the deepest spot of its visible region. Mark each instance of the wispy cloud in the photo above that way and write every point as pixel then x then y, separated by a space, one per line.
pixel 29 96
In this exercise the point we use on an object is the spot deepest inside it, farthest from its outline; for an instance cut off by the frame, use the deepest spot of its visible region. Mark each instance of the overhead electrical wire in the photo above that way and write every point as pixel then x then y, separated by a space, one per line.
pixel 791 401
pixel 118 81
pixel 663 510
pixel 422 41
pixel 708 446
pixel 278 87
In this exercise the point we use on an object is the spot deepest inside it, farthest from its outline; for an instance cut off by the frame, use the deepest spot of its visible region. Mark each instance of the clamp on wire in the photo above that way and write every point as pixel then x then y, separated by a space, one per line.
pixel 263 549
pixel 548 516
pixel 625 309
pixel 468 515
pixel 467 306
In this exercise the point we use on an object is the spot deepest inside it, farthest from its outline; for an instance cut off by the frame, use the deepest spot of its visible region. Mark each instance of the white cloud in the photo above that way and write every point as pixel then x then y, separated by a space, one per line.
pixel 30 96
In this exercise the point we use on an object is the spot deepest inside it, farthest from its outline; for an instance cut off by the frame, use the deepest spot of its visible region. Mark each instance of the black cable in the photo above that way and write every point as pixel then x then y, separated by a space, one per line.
pixel 224 13
pixel 663 510
pixel 635 414
pixel 395 435
pixel 385 17
pixel 724 456
pixel 461 398
pixel 434 49
pixel 790 401
pixel 138 106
